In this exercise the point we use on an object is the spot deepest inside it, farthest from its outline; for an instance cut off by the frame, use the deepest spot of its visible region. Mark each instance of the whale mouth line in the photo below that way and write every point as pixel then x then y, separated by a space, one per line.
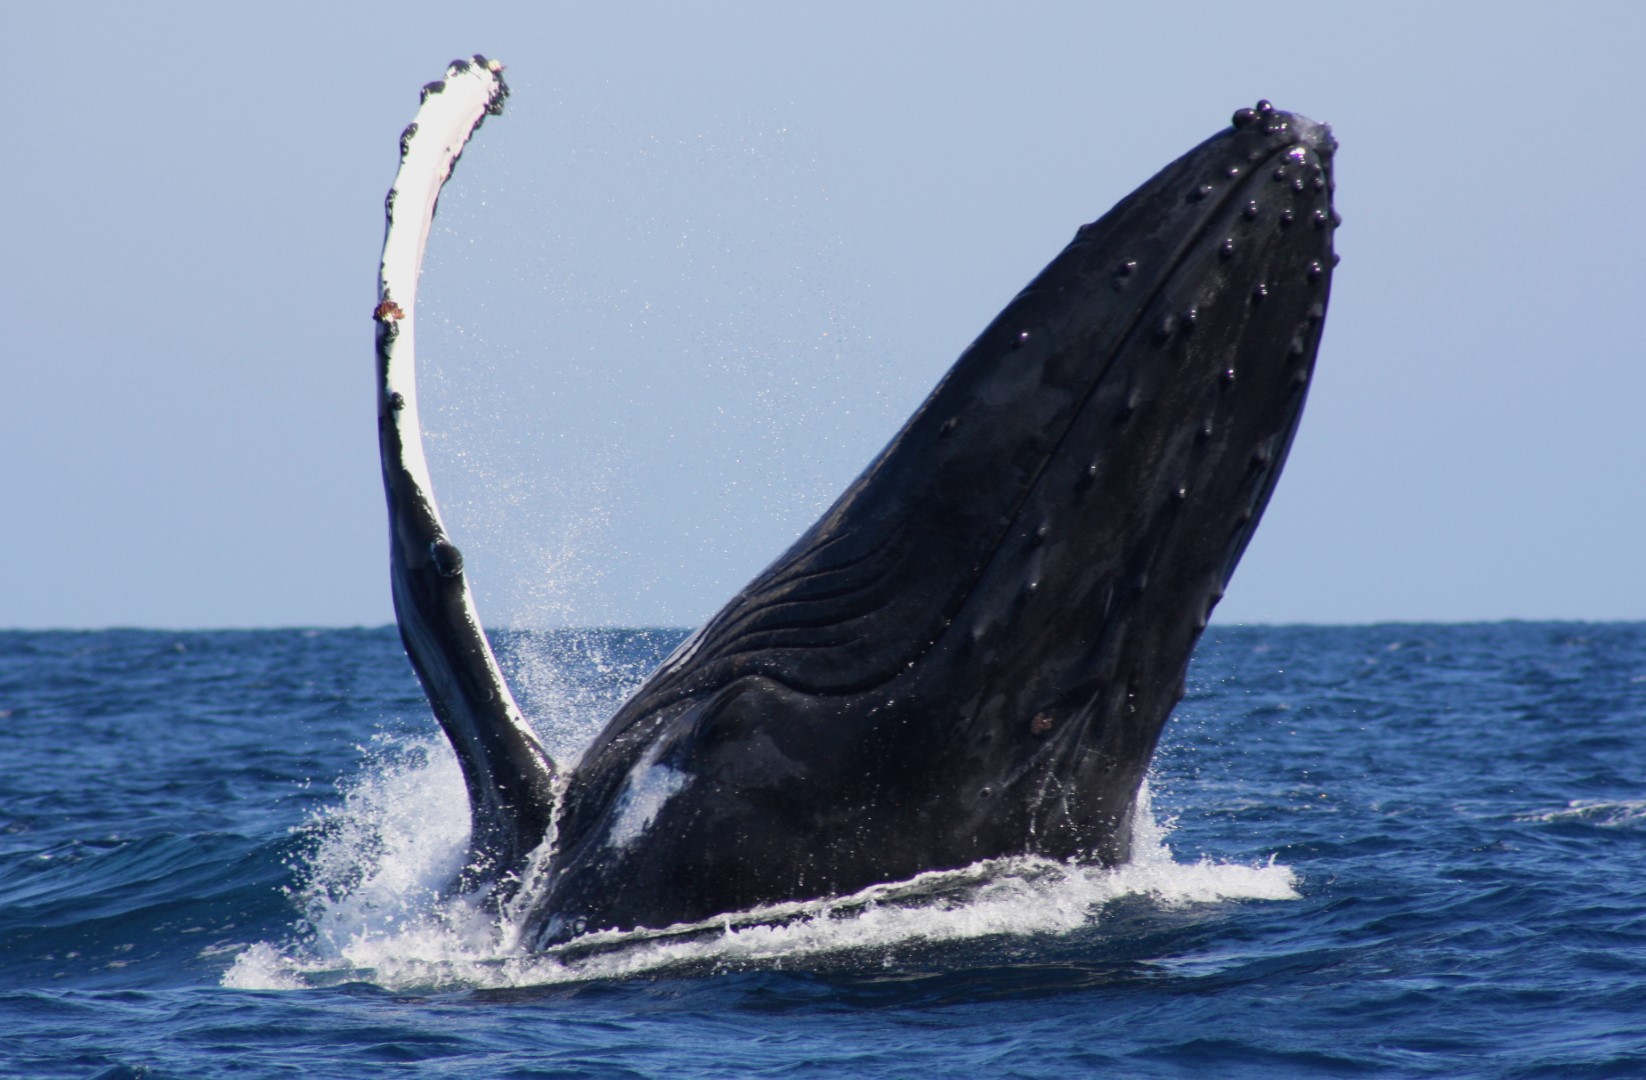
pixel 421 940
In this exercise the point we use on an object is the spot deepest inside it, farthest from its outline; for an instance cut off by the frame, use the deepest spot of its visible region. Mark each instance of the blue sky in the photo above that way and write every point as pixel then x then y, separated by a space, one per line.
pixel 710 258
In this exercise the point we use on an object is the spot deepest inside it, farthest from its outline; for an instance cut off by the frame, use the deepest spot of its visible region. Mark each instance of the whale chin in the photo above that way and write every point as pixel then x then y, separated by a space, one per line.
pixel 972 653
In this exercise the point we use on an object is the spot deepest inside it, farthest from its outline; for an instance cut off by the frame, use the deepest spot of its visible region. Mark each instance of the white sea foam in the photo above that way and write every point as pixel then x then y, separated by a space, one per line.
pixel 1626 813
pixel 374 910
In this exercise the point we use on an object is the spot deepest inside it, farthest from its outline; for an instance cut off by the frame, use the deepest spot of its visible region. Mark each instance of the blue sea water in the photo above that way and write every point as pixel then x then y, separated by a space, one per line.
pixel 1403 850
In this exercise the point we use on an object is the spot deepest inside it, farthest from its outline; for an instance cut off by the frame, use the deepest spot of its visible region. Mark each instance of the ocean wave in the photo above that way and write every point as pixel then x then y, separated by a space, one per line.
pixel 1626 813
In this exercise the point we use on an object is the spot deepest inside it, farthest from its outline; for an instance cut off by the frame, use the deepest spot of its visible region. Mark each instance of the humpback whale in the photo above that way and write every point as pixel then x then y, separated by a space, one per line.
pixel 972 653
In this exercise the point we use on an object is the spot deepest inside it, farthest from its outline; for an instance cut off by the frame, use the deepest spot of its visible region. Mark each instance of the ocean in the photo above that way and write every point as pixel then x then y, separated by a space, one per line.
pixel 1394 850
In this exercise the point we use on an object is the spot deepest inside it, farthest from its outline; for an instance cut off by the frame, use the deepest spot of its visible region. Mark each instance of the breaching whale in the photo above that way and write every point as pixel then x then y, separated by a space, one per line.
pixel 972 653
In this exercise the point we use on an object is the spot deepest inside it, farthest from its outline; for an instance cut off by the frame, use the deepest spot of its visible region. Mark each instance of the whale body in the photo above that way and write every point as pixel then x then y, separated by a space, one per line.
pixel 973 651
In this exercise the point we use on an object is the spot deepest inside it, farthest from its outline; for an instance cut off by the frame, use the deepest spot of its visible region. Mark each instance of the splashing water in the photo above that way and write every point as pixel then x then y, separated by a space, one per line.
pixel 572 680
pixel 375 906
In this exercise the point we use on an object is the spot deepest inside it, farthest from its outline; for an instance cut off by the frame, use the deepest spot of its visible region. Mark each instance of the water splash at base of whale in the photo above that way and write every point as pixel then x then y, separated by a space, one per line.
pixel 373 909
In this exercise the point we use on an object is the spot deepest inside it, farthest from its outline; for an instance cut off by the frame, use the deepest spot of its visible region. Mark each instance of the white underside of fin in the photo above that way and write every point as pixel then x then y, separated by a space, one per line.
pixel 451 111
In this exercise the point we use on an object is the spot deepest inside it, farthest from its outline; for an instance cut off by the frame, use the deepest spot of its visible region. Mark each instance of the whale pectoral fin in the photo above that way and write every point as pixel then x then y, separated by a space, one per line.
pixel 508 774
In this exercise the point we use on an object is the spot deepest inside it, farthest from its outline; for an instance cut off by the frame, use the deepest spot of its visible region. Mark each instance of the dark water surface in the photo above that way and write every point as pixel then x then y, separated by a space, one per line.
pixel 1405 850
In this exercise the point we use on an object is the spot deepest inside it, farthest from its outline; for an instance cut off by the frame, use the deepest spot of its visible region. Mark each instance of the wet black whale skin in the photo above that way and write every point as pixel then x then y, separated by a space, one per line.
pixel 973 652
